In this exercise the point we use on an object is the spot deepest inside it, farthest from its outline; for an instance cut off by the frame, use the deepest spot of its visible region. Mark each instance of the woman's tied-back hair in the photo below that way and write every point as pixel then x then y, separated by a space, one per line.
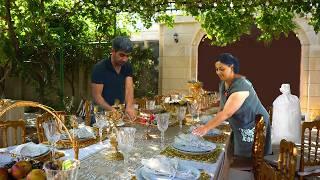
pixel 121 43
pixel 229 59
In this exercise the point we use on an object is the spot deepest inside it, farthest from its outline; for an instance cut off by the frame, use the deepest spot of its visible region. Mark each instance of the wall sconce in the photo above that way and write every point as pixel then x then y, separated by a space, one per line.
pixel 175 37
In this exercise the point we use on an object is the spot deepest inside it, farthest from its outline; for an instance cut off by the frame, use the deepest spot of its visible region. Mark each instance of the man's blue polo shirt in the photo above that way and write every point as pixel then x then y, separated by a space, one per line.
pixel 114 83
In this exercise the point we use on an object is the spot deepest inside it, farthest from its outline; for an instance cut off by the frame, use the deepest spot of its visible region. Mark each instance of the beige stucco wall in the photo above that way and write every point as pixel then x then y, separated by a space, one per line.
pixel 178 61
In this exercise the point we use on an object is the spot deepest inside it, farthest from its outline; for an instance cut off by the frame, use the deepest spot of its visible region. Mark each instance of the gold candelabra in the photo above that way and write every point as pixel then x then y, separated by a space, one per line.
pixel 114 154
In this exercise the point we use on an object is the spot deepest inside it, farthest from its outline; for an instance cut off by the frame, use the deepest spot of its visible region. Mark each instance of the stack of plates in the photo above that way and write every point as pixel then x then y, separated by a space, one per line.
pixel 189 143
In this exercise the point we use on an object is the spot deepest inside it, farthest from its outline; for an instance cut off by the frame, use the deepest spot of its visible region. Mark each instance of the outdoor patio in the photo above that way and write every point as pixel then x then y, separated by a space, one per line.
pixel 53 126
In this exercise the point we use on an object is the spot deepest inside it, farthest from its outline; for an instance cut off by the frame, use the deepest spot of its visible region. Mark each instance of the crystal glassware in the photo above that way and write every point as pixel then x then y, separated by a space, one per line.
pixel 54 173
pixel 181 113
pixel 125 138
pixel 162 124
pixel 52 134
pixel 101 122
pixel 193 108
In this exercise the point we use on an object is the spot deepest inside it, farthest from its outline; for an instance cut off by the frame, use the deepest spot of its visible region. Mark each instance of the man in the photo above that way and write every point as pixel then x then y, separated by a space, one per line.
pixel 112 78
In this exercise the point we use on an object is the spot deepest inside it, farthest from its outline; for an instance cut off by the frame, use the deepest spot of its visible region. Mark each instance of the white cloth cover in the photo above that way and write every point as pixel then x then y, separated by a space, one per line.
pixel 286 118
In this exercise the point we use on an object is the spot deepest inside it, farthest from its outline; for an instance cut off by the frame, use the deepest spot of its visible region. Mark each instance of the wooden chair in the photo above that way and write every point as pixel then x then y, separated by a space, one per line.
pixel 286 164
pixel 270 111
pixel 141 102
pixel 87 108
pixel 253 164
pixel 287 160
pixel 14 125
pixel 158 99
pixel 267 172
pixel 258 144
pixel 43 118
pixel 310 155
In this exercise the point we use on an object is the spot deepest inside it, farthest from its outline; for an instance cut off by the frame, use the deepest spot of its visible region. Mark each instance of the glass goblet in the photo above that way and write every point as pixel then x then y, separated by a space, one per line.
pixel 181 113
pixel 52 134
pixel 100 123
pixel 193 108
pixel 162 124
pixel 125 138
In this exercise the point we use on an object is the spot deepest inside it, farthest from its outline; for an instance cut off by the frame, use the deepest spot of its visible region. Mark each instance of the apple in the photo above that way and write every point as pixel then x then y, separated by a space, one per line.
pixel 3 174
pixel 26 165
pixel 18 172
pixel 36 174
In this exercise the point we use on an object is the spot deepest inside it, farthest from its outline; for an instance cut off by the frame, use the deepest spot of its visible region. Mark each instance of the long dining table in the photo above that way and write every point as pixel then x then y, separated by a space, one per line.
pixel 95 165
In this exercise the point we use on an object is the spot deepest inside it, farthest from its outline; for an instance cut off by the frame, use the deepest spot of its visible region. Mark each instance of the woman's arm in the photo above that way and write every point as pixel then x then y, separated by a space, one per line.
pixel 233 103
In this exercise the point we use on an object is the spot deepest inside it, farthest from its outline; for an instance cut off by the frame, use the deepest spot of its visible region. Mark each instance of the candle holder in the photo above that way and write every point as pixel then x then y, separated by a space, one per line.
pixel 114 154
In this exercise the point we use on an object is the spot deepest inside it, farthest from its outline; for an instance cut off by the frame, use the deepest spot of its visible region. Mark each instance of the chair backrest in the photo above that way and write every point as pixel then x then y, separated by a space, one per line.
pixel 267 172
pixel 258 144
pixel 310 145
pixel 14 125
pixel 44 118
pixel 87 109
pixel 158 99
pixel 141 102
pixel 287 160
pixel 270 111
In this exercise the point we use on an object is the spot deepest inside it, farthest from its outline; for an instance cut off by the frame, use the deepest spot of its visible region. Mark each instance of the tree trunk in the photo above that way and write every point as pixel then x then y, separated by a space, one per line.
pixel 12 34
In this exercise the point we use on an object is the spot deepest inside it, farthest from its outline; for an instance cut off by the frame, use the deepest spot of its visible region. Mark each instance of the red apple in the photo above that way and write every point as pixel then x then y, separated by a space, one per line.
pixel 26 165
pixel 3 174
pixel 18 172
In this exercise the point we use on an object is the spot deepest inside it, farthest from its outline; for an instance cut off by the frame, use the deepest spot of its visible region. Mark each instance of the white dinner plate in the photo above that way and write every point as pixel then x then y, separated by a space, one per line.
pixel 143 173
pixel 192 149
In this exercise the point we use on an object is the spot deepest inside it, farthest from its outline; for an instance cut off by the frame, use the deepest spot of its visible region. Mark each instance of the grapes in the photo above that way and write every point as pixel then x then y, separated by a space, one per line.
pixel 37 165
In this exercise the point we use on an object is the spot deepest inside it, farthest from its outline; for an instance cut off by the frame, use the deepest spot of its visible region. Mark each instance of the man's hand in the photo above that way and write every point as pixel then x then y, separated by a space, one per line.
pixel 131 113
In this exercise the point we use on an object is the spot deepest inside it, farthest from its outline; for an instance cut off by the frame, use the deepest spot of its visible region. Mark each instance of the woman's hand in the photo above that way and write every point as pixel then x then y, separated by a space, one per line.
pixel 200 131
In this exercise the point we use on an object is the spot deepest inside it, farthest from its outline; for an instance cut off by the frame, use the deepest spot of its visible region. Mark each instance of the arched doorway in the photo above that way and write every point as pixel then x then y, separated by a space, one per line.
pixel 267 67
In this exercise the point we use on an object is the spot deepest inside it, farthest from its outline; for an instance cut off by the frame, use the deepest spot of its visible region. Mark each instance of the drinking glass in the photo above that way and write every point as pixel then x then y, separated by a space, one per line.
pixel 181 113
pixel 125 138
pixel 68 103
pixel 150 104
pixel 193 108
pixel 101 122
pixel 52 134
pixel 162 124
pixel 53 173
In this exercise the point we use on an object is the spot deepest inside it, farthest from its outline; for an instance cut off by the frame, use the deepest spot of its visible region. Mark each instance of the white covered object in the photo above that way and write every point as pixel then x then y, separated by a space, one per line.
pixel 286 118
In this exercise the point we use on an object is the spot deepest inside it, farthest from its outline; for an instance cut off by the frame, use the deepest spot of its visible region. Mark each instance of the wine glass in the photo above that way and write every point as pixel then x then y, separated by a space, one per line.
pixel 52 134
pixel 100 123
pixel 181 112
pixel 193 108
pixel 125 138
pixel 68 103
pixel 162 124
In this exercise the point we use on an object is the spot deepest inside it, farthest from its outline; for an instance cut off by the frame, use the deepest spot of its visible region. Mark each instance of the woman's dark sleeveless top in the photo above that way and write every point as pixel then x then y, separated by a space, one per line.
pixel 242 121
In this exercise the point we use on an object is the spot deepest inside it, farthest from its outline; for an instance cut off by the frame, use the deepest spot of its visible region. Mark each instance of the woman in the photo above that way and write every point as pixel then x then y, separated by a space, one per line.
pixel 239 104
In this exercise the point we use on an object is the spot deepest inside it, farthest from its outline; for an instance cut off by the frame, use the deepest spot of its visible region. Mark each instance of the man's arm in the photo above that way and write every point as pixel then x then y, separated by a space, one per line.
pixel 96 90
pixel 129 97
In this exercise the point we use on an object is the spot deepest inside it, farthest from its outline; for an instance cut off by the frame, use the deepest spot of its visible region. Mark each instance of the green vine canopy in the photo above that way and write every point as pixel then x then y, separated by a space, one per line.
pixel 43 32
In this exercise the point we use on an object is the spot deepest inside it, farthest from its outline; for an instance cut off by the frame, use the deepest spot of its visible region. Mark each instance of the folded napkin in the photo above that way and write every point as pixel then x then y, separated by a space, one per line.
pixel 161 165
pixel 204 119
pixel 83 132
pixel 192 140
pixel 30 149
pixel 168 167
